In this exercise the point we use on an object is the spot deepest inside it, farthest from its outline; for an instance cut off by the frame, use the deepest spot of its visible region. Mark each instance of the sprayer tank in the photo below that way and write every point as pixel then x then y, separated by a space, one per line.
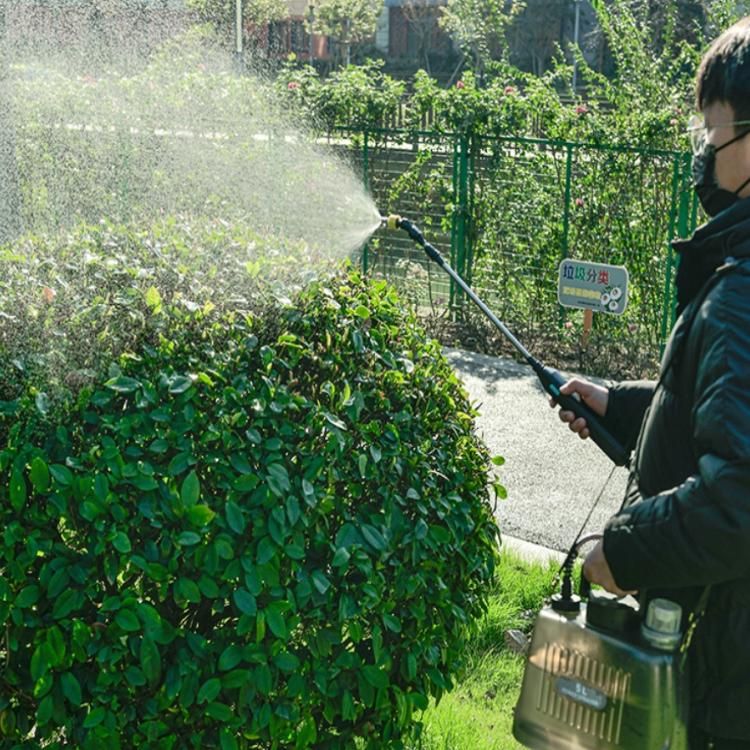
pixel 586 689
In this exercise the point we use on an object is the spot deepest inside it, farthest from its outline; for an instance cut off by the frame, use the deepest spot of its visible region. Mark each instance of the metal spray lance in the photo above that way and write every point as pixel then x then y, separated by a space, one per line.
pixel 550 378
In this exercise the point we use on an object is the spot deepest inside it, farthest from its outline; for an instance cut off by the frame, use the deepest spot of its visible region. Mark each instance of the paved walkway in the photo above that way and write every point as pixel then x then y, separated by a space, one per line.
pixel 552 477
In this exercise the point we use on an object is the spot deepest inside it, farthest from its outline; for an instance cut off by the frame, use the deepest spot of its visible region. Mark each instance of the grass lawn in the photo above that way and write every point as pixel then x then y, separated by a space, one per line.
pixel 478 713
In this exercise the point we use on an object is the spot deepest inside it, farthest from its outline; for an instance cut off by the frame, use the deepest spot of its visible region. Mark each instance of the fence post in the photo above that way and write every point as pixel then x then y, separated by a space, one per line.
pixel 475 148
pixel 366 180
pixel 682 219
pixel 460 210
pixel 566 212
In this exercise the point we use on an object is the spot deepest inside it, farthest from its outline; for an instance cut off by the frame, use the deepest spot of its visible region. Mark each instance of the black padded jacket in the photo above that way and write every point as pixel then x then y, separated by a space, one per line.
pixel 685 522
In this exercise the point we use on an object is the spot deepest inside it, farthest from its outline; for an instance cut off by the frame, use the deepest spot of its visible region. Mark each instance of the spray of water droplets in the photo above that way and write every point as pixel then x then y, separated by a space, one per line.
pixel 182 133
pixel 141 126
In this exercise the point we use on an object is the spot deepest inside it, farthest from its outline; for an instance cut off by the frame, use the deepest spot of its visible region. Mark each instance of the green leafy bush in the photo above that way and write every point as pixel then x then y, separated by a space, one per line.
pixel 257 529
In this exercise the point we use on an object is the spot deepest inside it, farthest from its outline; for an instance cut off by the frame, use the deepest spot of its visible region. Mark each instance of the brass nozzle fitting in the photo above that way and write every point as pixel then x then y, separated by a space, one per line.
pixel 392 222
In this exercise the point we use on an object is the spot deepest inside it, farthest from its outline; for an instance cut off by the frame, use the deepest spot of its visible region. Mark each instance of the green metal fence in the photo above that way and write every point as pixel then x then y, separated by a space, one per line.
pixel 505 210
pixel 508 210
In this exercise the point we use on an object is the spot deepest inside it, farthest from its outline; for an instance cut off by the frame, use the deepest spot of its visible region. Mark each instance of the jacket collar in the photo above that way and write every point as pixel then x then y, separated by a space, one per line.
pixel 727 234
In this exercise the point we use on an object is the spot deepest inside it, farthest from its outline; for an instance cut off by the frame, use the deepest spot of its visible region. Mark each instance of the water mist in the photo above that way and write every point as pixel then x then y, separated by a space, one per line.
pixel 168 134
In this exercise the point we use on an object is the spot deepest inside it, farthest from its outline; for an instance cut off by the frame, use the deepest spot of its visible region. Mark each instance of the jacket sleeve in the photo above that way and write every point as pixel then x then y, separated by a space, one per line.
pixel 626 407
pixel 699 532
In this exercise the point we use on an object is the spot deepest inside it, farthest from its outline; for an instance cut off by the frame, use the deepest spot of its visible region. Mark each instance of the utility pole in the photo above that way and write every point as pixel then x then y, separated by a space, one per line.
pixel 10 207
pixel 310 23
pixel 576 29
pixel 238 41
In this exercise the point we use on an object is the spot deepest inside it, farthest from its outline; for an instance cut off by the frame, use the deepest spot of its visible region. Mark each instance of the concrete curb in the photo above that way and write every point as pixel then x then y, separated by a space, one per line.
pixel 531 552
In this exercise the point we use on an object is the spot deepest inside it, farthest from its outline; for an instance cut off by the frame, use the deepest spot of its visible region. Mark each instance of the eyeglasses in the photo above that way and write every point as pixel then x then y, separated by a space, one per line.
pixel 696 129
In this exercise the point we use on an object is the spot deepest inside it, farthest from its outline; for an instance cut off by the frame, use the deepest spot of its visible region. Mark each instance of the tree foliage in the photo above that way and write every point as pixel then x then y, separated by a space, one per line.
pixel 346 21
pixel 479 27
pixel 537 31
pixel 222 13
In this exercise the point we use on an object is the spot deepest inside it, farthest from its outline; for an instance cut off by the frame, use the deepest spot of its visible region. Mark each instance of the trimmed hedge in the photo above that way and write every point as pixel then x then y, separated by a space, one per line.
pixel 256 530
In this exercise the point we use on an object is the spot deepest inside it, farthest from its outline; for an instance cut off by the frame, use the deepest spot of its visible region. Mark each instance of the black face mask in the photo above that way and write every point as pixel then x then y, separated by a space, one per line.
pixel 713 198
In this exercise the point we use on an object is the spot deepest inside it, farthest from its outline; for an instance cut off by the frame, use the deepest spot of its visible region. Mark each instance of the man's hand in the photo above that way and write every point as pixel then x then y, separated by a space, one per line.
pixel 596 569
pixel 594 396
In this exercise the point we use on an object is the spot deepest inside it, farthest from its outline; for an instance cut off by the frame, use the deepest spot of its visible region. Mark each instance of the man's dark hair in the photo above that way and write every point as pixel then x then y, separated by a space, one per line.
pixel 724 72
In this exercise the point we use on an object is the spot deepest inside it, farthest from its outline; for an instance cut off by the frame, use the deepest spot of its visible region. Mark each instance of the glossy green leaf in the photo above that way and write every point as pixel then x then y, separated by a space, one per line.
pixel 121 542
pixel 286 662
pixel 245 602
pixel 209 690
pixel 127 620
pixel 219 711
pixel 341 558
pixel 101 487
pixel 392 623
pixel 373 537
pixel 122 384
pixel 188 590
pixel 191 489
pixel 235 517
pixel 40 476
pixel 56 647
pixel 180 384
pixel 241 464
pixel 227 740
pixel 230 658
pixel 61 474
pixel 43 685
pixel 135 676
pixel 200 515
pixel 95 717
pixel 276 622
pixel 376 676
pixel 188 538
pixel 71 688
pixel 150 660
pixel 17 490
pixel 320 581
pixel 27 597
pixel 44 712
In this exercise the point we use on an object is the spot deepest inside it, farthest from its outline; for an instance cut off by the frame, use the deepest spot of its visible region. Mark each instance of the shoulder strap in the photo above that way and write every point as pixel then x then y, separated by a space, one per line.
pixel 693 619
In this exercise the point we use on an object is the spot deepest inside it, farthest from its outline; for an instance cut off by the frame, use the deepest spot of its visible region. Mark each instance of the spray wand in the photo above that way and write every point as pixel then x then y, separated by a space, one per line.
pixel 550 378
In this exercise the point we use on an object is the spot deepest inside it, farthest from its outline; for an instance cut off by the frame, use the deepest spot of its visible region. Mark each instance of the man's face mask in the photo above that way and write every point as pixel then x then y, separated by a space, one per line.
pixel 713 198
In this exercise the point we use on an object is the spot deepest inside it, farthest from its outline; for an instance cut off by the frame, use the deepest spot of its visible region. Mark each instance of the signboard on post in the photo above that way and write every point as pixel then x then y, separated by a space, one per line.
pixel 593 286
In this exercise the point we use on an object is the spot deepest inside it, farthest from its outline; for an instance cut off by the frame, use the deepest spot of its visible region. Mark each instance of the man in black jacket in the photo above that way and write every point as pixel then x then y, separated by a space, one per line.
pixel 685 522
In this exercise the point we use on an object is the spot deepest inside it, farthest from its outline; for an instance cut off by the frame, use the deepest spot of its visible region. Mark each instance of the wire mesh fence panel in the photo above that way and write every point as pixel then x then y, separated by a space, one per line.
pixel 537 203
pixel 507 211
pixel 622 214
pixel 410 174
pixel 518 230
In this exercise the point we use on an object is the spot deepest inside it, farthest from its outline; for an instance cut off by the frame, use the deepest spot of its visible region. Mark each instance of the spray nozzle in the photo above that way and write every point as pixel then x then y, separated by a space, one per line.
pixel 393 221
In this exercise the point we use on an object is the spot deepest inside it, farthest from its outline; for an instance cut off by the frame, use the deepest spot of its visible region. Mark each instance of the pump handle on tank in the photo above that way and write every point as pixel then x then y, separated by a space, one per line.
pixel 550 378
